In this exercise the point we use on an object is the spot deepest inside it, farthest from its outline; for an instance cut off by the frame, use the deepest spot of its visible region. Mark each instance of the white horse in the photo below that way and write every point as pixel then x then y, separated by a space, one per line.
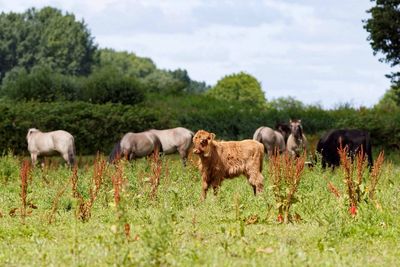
pixel 45 144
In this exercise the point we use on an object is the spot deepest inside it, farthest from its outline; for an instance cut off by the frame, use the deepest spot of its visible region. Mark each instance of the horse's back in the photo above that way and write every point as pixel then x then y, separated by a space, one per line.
pixel 62 140
pixel 173 139
pixel 140 144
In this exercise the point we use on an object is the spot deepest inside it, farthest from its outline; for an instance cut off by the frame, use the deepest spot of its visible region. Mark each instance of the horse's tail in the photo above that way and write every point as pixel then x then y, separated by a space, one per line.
pixel 71 154
pixel 115 153
pixel 257 135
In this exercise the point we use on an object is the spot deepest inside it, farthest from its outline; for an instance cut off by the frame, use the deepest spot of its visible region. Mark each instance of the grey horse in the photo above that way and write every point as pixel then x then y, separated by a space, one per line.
pixel 271 139
pixel 136 145
pixel 175 140
pixel 297 141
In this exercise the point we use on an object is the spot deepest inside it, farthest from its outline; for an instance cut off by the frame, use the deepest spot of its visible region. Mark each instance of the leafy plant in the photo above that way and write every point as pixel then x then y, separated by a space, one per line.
pixel 286 172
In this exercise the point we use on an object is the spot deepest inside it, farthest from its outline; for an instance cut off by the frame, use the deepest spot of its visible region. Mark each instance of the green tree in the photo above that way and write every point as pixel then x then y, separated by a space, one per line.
pixel 127 63
pixel 45 37
pixel 384 32
pixel 155 80
pixel 241 87
pixel 41 84
pixel 108 84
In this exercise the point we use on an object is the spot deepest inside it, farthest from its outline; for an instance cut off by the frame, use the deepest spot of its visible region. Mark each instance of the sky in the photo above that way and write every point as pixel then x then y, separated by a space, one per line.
pixel 315 51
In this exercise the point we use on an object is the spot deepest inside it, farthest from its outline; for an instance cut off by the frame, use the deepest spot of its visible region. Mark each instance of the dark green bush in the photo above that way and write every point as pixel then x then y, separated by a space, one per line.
pixel 107 84
pixel 41 84
pixel 97 127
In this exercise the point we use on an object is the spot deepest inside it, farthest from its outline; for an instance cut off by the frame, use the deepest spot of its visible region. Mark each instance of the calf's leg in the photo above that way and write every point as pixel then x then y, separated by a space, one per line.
pixel 204 189
pixel 256 180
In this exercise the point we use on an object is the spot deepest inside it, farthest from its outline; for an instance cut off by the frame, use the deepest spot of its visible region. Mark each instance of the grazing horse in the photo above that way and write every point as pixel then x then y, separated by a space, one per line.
pixel 175 140
pixel 45 144
pixel 297 141
pixel 136 145
pixel 353 139
pixel 271 139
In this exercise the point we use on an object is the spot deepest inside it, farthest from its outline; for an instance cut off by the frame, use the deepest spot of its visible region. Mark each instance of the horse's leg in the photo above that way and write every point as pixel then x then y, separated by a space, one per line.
pixel 33 158
pixel 42 162
pixel 183 153
pixel 65 156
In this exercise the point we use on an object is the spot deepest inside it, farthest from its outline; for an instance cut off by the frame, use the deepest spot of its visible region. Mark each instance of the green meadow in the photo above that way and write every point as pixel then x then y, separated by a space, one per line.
pixel 159 219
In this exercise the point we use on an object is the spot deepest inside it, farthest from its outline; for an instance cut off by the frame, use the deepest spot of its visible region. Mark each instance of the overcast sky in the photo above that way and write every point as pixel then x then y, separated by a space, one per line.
pixel 313 50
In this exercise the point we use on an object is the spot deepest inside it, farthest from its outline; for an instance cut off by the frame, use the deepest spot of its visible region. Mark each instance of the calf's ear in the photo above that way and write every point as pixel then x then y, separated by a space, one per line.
pixel 212 136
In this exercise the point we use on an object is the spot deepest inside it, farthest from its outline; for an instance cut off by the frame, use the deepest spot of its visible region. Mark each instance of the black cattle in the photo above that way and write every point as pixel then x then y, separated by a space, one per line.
pixel 329 144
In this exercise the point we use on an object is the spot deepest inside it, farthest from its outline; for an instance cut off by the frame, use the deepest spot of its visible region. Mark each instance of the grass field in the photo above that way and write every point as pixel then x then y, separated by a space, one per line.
pixel 169 225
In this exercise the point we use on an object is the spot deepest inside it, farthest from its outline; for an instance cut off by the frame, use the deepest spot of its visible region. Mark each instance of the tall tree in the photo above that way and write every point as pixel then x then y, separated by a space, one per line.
pixel 45 37
pixel 128 63
pixel 384 33
pixel 241 87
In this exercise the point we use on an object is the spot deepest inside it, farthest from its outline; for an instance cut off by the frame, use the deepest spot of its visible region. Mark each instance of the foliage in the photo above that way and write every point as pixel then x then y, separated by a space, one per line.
pixel 286 173
pixel 155 80
pixel 97 127
pixel 45 37
pixel 390 99
pixel 103 85
pixel 41 84
pixel 240 87
pixel 384 30
pixel 107 84
pixel 127 63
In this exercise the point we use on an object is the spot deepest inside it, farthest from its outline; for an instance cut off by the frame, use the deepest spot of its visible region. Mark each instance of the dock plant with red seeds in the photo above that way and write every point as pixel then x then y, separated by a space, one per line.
pixel 353 173
pixel 286 173
pixel 85 206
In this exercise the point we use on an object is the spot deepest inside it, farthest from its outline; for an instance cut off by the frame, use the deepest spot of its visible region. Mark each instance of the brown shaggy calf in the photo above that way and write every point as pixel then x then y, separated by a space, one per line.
pixel 220 160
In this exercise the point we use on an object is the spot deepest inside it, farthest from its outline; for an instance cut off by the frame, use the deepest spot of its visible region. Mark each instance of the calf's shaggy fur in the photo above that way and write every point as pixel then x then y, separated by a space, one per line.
pixel 223 160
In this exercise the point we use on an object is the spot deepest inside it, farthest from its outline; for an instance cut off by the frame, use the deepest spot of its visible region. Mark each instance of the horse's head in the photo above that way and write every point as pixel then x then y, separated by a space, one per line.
pixel 202 142
pixel 296 128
